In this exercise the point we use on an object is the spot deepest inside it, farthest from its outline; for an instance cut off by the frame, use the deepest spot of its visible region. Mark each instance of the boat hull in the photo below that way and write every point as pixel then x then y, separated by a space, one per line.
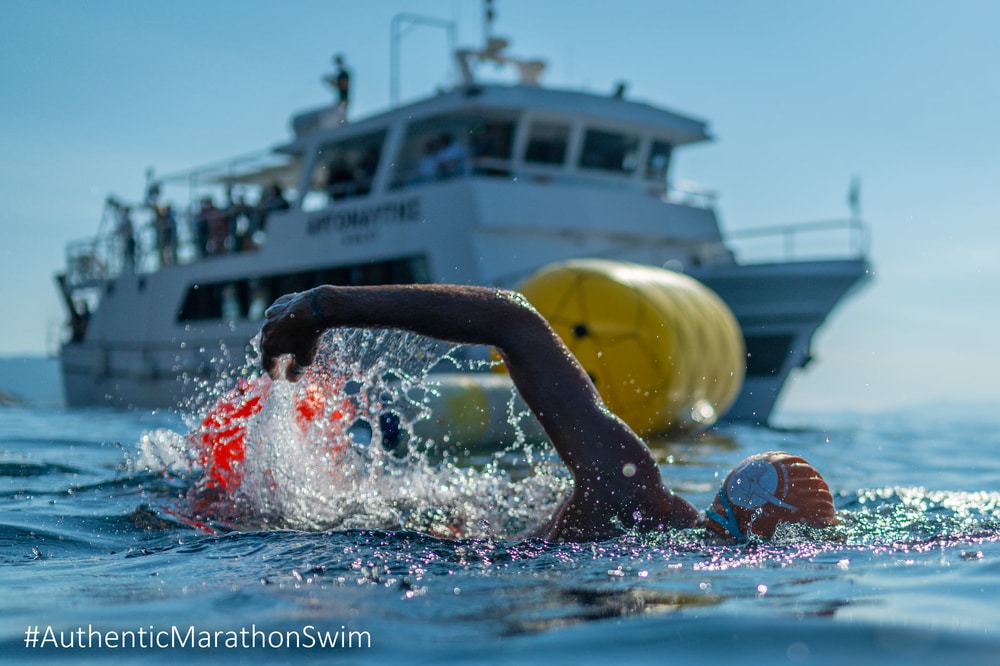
pixel 779 308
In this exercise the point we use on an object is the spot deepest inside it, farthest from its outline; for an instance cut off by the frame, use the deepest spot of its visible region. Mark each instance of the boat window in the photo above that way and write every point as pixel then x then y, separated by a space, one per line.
pixel 450 146
pixel 658 161
pixel 492 142
pixel 609 151
pixel 233 300
pixel 344 169
pixel 547 143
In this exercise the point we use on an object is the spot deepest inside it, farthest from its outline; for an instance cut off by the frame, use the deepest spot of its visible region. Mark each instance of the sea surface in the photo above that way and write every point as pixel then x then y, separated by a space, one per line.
pixel 110 547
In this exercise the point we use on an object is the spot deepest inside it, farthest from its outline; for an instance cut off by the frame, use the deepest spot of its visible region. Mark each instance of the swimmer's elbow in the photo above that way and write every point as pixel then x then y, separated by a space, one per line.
pixel 517 300
pixel 521 316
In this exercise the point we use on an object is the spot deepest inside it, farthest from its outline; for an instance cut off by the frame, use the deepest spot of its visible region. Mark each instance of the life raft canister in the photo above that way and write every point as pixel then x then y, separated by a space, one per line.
pixel 663 350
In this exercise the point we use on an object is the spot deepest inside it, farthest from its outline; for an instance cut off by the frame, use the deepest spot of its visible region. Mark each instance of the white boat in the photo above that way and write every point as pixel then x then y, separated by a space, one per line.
pixel 478 184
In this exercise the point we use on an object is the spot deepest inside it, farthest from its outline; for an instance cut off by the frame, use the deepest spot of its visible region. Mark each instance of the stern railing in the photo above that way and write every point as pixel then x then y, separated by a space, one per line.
pixel 800 241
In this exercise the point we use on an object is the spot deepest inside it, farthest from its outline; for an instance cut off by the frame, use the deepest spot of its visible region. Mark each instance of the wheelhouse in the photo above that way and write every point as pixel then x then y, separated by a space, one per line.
pixel 492 132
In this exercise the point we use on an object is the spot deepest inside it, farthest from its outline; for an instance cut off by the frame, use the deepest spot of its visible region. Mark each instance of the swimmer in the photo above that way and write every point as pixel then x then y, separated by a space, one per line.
pixel 616 482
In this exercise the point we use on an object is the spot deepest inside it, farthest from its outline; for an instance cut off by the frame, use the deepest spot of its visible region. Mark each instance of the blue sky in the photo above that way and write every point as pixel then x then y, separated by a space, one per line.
pixel 801 96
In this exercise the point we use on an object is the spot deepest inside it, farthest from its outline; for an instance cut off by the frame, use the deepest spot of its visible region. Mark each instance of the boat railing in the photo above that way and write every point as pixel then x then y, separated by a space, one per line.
pixel 800 241
pixel 685 193
pixel 255 169
pixel 690 193
pixel 91 262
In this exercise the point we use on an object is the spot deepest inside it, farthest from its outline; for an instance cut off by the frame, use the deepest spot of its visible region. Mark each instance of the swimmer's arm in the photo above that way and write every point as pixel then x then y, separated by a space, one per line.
pixel 611 466
pixel 547 375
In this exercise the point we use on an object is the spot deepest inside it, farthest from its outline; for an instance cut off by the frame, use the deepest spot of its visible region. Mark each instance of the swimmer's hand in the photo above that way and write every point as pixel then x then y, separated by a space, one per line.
pixel 292 328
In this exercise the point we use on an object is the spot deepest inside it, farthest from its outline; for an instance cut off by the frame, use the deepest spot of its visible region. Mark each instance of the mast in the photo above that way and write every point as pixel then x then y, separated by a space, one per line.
pixel 400 24
pixel 488 16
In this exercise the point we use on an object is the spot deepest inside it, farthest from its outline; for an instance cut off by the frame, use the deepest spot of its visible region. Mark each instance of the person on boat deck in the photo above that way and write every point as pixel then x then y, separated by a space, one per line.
pixel 272 199
pixel 450 157
pixel 218 228
pixel 238 219
pixel 340 179
pixel 166 234
pixel 126 232
pixel 617 484
pixel 427 167
pixel 200 224
pixel 340 81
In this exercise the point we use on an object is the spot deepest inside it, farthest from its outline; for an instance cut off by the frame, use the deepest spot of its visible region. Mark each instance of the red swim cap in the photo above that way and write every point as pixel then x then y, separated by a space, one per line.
pixel 221 438
pixel 766 490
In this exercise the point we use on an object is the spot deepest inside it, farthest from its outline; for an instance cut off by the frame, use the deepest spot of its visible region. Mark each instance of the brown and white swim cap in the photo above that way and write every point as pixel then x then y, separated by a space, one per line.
pixel 766 490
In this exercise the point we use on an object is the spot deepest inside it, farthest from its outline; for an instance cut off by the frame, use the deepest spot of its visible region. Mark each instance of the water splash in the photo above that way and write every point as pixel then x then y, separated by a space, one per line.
pixel 337 450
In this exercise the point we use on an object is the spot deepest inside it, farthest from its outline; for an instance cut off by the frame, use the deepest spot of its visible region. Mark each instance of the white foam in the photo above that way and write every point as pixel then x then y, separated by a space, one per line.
pixel 329 473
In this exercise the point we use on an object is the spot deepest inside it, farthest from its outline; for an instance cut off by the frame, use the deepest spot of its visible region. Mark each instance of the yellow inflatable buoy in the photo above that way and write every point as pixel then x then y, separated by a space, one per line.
pixel 663 350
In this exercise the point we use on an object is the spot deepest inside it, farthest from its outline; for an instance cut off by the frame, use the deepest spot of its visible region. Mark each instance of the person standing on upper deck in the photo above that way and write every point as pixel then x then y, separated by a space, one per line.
pixel 341 82
pixel 166 234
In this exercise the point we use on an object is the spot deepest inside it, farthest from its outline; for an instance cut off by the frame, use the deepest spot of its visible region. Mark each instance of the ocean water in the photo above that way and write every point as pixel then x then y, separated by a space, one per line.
pixel 113 543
